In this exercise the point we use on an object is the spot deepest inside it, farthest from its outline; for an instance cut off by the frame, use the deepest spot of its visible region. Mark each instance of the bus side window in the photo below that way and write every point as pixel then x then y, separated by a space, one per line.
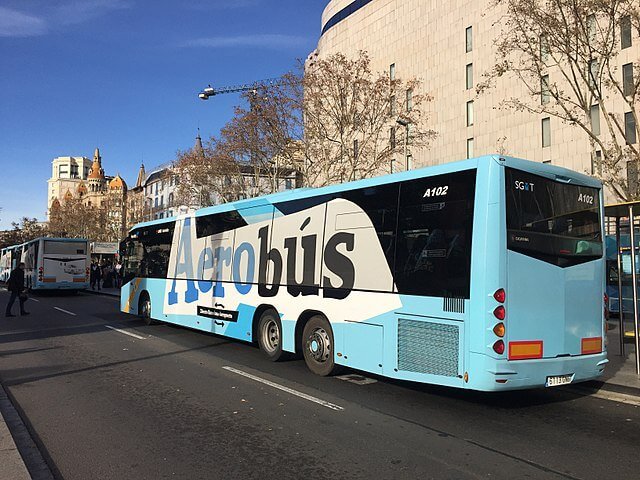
pixel 433 254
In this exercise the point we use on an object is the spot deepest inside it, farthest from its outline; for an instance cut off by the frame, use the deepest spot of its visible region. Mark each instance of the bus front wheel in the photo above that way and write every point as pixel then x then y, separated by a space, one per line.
pixel 144 308
pixel 318 346
pixel 270 335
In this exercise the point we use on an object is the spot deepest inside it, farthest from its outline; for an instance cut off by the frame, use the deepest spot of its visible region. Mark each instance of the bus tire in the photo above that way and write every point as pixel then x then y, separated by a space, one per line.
pixel 144 308
pixel 270 335
pixel 318 346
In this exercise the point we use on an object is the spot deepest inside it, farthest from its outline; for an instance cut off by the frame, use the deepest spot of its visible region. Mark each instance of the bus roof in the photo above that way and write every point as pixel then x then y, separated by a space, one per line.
pixel 543 169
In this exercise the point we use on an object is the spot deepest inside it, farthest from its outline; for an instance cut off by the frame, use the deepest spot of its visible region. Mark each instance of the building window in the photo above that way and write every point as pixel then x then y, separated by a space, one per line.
pixel 594 67
pixel 625 32
pixel 288 184
pixel 591 27
pixel 627 79
pixel 392 105
pixel 469 76
pixel 171 199
pixel 470 147
pixel 156 203
pixel 355 149
pixel 156 188
pixel 393 165
pixel 629 128
pixel 409 133
pixel 546 132
pixel 595 119
pixel 596 162
pixel 544 48
pixel 469 113
pixel 392 71
pixel 468 34
pixel 392 138
pixel 409 161
pixel 409 100
pixel 545 96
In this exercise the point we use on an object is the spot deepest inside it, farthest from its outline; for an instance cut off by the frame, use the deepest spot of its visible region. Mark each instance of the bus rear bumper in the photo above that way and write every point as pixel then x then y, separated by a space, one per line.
pixel 500 375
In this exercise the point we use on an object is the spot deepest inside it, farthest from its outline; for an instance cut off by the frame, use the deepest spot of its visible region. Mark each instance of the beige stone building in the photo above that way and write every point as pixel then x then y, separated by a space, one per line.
pixel 448 45
pixel 82 179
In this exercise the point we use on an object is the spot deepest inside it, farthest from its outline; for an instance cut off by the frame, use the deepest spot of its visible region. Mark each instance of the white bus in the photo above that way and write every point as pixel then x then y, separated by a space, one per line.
pixel 56 263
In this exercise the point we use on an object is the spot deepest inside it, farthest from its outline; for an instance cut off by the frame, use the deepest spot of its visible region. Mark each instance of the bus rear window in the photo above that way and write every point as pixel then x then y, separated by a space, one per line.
pixel 552 221
pixel 64 248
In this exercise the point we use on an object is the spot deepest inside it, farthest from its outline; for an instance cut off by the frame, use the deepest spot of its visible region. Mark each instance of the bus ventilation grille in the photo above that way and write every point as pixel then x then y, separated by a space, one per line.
pixel 427 347
pixel 453 305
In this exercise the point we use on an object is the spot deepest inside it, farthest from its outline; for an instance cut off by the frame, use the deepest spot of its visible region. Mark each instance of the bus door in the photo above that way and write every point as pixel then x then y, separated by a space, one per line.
pixel 554 295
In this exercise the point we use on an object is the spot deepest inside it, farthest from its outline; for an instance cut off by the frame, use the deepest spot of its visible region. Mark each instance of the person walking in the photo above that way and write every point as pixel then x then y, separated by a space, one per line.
pixel 15 285
pixel 95 275
pixel 117 275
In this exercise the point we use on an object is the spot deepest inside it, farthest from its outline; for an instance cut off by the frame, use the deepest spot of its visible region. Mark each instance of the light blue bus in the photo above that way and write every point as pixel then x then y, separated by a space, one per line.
pixel 50 263
pixel 485 274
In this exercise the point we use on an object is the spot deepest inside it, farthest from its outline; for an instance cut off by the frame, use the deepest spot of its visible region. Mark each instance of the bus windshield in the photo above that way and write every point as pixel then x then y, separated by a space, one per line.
pixel 552 221
pixel 57 247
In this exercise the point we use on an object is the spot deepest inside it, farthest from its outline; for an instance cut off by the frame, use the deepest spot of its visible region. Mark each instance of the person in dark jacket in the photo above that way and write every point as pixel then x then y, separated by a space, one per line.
pixel 95 275
pixel 15 285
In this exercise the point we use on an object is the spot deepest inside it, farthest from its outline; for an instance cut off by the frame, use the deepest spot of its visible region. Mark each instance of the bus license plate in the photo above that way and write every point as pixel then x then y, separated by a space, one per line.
pixel 557 380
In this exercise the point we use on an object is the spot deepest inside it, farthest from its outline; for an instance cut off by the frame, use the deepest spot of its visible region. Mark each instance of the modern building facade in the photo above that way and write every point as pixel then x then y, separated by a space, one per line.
pixel 449 46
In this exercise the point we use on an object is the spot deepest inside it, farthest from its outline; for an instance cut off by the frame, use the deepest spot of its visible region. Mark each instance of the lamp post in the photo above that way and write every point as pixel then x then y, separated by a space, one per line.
pixel 405 124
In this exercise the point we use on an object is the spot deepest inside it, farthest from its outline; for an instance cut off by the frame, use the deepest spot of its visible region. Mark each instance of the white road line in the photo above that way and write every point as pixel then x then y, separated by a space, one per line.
pixel 324 403
pixel 65 311
pixel 139 337
pixel 34 300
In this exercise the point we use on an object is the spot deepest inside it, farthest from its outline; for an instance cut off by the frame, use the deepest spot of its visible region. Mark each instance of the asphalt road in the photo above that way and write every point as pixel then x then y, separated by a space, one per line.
pixel 174 403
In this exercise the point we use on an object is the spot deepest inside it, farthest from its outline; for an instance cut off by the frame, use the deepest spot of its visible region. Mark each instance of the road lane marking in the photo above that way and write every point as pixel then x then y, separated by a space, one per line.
pixel 139 337
pixel 319 401
pixel 33 299
pixel 65 311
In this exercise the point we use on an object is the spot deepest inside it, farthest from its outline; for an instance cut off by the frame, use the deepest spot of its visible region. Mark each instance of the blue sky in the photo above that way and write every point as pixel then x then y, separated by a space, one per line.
pixel 123 75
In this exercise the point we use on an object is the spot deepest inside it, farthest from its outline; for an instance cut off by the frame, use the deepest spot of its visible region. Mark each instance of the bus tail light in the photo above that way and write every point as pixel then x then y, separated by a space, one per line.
pixel 500 295
pixel 499 312
pixel 40 273
pixel 499 329
pixel 525 350
pixel 498 347
pixel 591 345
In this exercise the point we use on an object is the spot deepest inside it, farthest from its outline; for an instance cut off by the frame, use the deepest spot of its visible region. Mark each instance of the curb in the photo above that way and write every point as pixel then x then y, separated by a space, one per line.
pixel 99 292
pixel 23 459
pixel 597 385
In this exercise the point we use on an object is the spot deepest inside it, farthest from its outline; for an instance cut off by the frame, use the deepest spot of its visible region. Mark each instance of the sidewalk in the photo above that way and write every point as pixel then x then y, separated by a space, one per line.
pixel 620 374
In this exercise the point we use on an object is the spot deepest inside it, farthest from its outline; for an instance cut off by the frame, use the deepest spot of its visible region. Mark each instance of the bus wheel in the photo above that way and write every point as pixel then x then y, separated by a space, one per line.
pixel 270 335
pixel 144 308
pixel 317 346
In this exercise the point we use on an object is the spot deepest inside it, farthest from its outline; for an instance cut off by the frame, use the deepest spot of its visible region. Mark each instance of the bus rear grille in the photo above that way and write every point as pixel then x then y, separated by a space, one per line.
pixel 453 305
pixel 427 347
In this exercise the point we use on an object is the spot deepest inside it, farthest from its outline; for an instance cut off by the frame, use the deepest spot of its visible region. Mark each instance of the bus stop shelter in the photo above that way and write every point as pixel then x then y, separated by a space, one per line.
pixel 619 217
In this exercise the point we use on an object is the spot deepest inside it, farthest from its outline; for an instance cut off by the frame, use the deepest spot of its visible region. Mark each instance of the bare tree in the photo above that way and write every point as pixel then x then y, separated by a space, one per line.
pixel 356 121
pixel 23 231
pixel 74 219
pixel 565 53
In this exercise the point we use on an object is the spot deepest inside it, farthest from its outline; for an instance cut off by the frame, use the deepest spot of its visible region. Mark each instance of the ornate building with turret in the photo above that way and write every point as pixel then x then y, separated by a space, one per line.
pixel 78 178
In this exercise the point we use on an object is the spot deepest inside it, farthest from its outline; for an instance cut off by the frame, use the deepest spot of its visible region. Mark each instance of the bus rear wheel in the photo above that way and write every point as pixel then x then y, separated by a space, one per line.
pixel 270 335
pixel 144 308
pixel 318 346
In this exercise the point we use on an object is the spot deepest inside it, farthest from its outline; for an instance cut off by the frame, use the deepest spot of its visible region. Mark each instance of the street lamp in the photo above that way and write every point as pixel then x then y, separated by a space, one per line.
pixel 405 124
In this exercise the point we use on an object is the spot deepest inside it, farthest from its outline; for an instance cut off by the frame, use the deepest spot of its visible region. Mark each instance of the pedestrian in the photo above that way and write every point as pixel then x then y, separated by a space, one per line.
pixel 15 285
pixel 95 275
pixel 118 276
